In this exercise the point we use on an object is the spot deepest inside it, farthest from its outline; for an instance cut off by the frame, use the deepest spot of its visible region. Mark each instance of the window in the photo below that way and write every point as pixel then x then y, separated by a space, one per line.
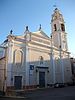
pixel 55 28
pixel 18 58
pixel 62 27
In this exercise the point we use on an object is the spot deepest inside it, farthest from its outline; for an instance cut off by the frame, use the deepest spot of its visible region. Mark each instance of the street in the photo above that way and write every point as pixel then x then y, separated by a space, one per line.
pixel 65 93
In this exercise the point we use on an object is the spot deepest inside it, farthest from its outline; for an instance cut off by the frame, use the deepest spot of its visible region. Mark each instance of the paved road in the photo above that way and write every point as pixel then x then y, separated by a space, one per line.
pixel 66 93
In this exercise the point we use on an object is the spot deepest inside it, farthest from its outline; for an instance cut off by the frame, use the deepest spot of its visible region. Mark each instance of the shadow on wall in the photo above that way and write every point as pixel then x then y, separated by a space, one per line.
pixel 18 69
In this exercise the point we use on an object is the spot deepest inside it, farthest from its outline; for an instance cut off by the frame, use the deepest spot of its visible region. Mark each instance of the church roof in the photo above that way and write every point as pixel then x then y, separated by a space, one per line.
pixel 40 33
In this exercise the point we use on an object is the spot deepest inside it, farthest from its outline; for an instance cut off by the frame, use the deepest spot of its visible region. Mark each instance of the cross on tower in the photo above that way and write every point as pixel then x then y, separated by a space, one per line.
pixel 55 6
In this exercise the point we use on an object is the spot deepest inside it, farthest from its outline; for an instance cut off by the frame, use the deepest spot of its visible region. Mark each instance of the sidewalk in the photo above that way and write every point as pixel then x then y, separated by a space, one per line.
pixel 22 94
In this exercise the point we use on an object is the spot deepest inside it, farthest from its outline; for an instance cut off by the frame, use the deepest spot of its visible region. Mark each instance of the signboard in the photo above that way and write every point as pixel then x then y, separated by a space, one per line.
pixel 31 67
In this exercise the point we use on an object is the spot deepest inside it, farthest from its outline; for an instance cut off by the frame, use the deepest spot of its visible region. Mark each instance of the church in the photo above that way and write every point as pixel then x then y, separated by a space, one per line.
pixel 35 60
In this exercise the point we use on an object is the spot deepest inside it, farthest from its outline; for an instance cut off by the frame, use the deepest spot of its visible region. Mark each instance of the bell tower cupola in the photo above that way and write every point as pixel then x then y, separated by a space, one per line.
pixel 58 30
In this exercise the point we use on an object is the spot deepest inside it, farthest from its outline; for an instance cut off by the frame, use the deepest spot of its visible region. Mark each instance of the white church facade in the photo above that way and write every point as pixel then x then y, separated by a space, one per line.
pixel 36 60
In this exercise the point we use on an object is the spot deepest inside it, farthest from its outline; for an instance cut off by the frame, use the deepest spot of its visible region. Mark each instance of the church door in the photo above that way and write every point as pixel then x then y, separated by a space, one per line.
pixel 18 82
pixel 41 79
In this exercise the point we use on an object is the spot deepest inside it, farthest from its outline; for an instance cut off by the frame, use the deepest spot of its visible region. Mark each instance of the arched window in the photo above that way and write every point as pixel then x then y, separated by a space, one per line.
pixel 62 27
pixel 41 60
pixel 18 58
pixel 55 28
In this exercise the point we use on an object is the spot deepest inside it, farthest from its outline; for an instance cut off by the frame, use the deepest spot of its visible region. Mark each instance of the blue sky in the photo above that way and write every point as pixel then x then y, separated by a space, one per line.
pixel 16 14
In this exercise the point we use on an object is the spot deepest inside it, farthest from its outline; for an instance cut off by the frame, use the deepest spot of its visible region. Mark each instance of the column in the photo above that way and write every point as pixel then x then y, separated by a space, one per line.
pixel 52 61
pixel 27 66
pixel 9 63
pixel 61 59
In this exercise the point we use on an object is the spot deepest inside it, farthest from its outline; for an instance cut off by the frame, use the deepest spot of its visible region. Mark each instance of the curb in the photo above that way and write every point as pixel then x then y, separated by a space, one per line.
pixel 18 97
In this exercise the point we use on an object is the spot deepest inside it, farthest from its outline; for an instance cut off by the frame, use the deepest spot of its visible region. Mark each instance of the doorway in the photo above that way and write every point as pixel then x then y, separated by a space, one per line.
pixel 18 82
pixel 41 79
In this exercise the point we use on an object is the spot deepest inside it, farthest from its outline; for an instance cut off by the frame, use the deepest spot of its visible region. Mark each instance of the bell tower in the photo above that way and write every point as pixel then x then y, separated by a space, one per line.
pixel 59 36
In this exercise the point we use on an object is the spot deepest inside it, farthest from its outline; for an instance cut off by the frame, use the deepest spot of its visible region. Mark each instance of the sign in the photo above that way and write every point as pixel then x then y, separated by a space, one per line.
pixel 31 67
